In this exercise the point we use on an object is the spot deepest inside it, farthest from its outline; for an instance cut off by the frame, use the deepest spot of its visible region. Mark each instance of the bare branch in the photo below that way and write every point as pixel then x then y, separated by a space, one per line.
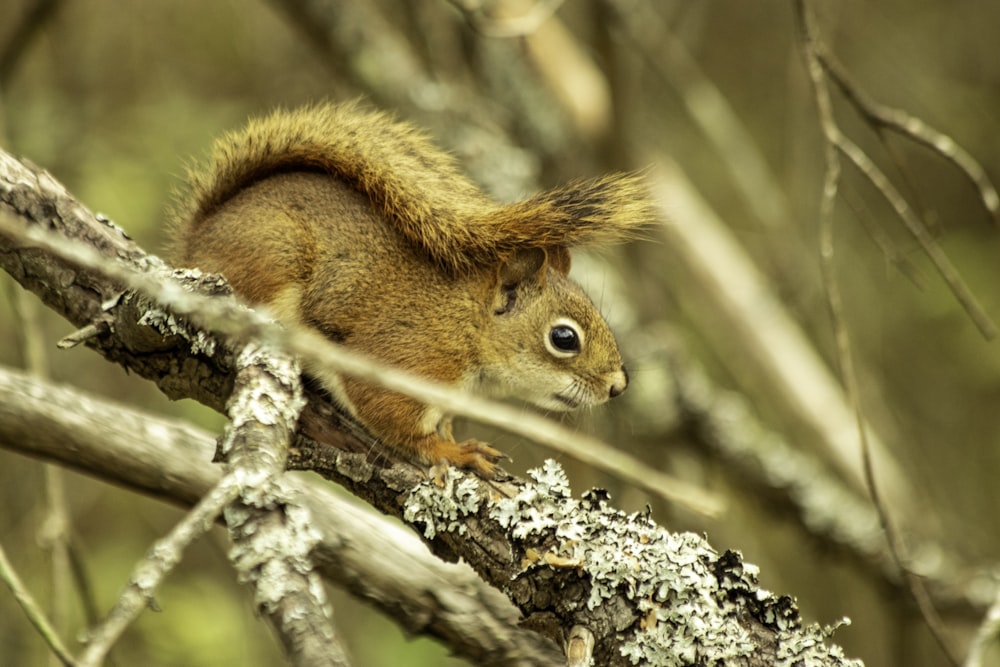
pixel 33 611
pixel 834 141
pixel 54 535
pixel 919 231
pixel 813 46
pixel 882 116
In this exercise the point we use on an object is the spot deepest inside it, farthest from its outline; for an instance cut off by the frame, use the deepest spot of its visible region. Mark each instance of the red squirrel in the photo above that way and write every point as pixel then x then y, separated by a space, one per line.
pixel 355 224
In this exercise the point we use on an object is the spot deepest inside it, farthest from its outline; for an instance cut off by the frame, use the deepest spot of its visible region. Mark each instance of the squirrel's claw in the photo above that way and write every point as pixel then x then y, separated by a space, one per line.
pixel 473 455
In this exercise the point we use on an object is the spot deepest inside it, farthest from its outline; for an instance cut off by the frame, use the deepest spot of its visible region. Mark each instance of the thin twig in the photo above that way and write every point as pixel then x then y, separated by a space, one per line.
pixel 836 142
pixel 887 246
pixel 902 122
pixel 84 585
pixel 34 613
pixel 919 231
pixel 159 561
pixel 54 535
pixel 53 531
pixel 897 120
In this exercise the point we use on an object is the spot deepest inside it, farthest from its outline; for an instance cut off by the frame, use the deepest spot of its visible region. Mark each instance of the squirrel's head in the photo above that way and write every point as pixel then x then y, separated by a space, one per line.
pixel 550 345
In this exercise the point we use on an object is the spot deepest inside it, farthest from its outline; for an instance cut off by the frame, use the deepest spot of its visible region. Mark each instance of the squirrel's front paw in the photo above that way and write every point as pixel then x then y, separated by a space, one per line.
pixel 474 455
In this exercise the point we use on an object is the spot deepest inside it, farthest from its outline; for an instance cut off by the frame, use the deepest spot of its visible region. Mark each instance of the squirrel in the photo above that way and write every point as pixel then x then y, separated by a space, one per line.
pixel 357 225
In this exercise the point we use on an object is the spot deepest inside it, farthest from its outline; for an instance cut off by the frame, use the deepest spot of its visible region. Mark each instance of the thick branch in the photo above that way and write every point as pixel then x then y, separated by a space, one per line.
pixel 271 532
pixel 644 593
pixel 370 556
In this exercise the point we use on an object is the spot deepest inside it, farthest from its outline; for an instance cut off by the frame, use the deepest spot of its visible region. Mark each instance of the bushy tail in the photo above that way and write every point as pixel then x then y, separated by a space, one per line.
pixel 597 211
pixel 415 184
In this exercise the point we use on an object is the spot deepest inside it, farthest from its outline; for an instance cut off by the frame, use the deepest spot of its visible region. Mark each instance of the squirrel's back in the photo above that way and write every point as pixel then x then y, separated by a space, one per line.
pixel 415 184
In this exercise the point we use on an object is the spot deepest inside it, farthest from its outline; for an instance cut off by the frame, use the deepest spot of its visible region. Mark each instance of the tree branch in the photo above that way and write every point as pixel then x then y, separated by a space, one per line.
pixel 33 611
pixel 375 559
pixel 644 593
pixel 270 536
pixel 836 140
pixel 834 144
pixel 271 533
pixel 904 123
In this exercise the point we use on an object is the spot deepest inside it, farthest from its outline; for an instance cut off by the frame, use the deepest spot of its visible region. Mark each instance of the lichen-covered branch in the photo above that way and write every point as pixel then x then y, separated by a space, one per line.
pixel 643 593
pixel 270 548
pixel 668 598
pixel 365 553
pixel 271 533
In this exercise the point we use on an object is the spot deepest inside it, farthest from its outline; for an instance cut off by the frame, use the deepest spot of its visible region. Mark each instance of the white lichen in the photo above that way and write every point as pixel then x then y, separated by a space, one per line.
pixel 166 324
pixel 439 504
pixel 267 558
pixel 667 575
pixel 807 647
pixel 690 597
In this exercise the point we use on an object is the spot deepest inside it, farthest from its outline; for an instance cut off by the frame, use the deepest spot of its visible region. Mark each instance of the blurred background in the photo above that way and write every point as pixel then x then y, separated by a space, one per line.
pixel 720 311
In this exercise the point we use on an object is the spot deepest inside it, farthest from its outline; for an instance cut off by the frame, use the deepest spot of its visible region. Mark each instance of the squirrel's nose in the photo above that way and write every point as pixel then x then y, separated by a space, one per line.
pixel 619 383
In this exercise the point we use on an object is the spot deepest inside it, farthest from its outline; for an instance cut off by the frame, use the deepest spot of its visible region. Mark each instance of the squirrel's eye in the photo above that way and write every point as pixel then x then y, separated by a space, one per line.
pixel 563 341
pixel 564 338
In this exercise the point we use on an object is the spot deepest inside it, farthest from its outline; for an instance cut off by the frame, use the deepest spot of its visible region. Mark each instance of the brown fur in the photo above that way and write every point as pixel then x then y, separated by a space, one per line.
pixel 417 185
pixel 357 226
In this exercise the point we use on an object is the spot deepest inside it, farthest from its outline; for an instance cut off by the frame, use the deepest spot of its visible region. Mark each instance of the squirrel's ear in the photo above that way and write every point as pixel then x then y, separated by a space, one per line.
pixel 525 265
pixel 559 259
